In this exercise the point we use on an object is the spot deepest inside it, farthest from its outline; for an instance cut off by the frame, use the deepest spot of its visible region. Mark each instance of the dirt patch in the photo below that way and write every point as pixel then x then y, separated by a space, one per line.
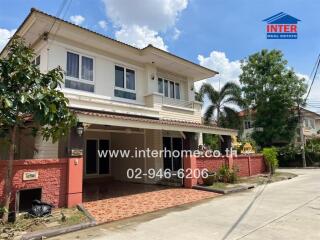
pixel 27 224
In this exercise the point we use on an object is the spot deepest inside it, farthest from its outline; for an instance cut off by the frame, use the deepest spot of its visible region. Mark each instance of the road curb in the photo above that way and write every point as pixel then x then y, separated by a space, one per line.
pixel 63 230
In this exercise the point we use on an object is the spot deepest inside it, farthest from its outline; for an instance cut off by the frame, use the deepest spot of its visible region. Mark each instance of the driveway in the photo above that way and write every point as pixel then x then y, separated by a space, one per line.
pixel 284 210
pixel 124 200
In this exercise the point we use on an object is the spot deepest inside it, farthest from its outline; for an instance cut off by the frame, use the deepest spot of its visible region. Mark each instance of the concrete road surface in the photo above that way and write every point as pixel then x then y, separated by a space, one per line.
pixel 284 210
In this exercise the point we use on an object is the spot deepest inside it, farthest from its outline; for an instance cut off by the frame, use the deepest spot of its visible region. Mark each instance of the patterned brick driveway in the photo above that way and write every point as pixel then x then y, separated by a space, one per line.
pixel 142 199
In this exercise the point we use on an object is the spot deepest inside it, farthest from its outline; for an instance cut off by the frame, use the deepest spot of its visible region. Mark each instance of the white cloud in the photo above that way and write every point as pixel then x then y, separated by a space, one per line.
pixel 145 19
pixel 158 15
pixel 228 70
pixel 103 24
pixel 313 102
pixel 77 19
pixel 140 37
pixel 5 35
pixel 176 34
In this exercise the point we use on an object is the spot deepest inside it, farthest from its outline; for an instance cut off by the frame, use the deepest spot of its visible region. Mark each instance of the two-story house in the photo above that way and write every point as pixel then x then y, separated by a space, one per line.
pixel 310 127
pixel 125 98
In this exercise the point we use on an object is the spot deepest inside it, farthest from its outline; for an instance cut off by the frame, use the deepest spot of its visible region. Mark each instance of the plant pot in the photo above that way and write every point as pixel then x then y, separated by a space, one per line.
pixel 209 180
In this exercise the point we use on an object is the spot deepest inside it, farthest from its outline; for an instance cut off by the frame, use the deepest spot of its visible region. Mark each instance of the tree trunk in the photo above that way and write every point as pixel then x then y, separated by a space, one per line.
pixel 8 182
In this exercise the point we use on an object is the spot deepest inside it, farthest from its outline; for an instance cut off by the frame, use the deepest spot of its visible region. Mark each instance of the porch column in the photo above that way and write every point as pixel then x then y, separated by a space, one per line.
pixel 200 138
pixel 75 169
pixel 74 184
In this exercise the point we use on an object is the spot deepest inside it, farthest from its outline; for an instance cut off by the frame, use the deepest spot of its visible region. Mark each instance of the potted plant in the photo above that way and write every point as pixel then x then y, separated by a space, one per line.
pixel 210 178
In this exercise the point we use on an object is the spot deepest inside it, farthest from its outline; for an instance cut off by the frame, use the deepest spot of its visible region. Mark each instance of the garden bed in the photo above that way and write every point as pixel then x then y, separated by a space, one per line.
pixel 245 183
pixel 27 225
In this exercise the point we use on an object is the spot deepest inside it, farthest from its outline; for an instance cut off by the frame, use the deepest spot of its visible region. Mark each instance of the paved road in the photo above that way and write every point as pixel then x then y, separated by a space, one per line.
pixel 283 210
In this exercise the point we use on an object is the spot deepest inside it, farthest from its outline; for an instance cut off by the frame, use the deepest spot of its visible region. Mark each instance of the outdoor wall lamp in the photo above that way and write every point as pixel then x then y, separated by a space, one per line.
pixel 80 129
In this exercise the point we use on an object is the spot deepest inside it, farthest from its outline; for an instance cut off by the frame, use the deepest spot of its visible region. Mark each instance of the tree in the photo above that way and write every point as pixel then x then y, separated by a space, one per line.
pixel 31 100
pixel 273 91
pixel 222 104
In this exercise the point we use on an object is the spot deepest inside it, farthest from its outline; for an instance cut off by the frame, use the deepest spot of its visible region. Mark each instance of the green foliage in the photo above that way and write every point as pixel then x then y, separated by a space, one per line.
pixel 270 155
pixel 222 103
pixel 2 210
pixel 273 91
pixel 27 94
pixel 227 174
pixel 313 145
pixel 211 141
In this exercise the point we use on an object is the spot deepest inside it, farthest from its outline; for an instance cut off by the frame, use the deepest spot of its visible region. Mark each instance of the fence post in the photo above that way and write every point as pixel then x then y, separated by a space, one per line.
pixel 249 165
pixel 230 160
pixel 190 164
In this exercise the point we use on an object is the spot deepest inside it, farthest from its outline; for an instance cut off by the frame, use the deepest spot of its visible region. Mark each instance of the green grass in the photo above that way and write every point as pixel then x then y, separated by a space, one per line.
pixel 260 179
pixel 219 185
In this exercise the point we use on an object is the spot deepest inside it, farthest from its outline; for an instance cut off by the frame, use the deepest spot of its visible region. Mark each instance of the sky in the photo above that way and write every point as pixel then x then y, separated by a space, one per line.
pixel 214 33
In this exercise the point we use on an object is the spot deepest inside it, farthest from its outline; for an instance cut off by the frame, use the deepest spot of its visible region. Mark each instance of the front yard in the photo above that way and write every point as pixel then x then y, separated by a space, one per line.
pixel 26 224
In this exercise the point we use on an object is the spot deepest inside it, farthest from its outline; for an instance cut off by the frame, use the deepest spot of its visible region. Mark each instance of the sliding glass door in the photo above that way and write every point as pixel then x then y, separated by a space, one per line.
pixel 95 164
pixel 174 163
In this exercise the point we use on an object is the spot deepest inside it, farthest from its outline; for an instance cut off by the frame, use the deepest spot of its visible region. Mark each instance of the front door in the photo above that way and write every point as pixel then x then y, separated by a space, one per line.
pixel 173 162
pixel 95 163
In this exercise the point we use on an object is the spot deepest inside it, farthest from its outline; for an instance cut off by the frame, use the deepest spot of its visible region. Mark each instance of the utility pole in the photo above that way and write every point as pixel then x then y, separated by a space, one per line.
pixel 303 150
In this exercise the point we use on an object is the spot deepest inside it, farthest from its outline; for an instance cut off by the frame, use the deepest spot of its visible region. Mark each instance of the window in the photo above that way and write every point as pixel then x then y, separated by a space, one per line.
pixel 87 68
pixel 248 124
pixel 79 72
pixel 125 83
pixel 72 65
pixel 166 88
pixel 130 79
pixel 119 77
pixel 312 123
pixel 177 90
pixel 169 88
pixel 160 85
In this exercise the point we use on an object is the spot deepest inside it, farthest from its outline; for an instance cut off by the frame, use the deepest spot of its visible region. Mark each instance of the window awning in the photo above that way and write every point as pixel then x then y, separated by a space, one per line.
pixel 121 120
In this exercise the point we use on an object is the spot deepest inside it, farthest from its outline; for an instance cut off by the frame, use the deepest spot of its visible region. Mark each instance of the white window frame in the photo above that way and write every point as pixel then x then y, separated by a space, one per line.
pixel 174 90
pixel 70 78
pixel 34 61
pixel 125 79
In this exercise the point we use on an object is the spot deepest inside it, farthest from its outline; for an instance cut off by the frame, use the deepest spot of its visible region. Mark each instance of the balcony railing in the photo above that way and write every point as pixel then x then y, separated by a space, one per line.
pixel 177 102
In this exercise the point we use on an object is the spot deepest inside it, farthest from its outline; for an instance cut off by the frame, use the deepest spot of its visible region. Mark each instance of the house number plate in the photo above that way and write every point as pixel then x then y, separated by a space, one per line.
pixel 27 176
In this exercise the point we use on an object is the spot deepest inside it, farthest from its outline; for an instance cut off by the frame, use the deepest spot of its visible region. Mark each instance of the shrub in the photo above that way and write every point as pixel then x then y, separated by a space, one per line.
pixel 2 210
pixel 270 156
pixel 227 175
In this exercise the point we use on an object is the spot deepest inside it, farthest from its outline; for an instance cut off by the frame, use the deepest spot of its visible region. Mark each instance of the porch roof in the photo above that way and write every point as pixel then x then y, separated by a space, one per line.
pixel 121 120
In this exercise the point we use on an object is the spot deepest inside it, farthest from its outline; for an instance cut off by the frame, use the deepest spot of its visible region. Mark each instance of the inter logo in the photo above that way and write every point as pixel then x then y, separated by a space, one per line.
pixel 282 26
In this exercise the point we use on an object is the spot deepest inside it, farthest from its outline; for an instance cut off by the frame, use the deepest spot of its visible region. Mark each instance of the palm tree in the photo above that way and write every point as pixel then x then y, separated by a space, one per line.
pixel 222 104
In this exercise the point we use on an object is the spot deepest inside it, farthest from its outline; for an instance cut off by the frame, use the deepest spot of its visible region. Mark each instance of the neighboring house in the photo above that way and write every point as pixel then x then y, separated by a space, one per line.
pixel 247 123
pixel 124 98
pixel 311 124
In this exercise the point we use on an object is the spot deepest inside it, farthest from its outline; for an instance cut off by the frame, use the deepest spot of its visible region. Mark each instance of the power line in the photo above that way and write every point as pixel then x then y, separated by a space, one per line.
pixel 314 67
pixel 314 77
pixel 60 9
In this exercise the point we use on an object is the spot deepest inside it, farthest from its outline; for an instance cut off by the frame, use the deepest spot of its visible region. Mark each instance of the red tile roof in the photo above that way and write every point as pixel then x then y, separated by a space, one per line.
pixel 148 119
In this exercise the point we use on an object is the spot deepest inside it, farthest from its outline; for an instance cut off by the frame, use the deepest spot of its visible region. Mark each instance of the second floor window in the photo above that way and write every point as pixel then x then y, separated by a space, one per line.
pixel 248 124
pixel 79 72
pixel 169 88
pixel 125 83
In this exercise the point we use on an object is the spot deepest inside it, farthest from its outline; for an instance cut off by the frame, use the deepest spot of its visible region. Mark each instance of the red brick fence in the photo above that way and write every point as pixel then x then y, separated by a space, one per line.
pixel 247 165
pixel 60 180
